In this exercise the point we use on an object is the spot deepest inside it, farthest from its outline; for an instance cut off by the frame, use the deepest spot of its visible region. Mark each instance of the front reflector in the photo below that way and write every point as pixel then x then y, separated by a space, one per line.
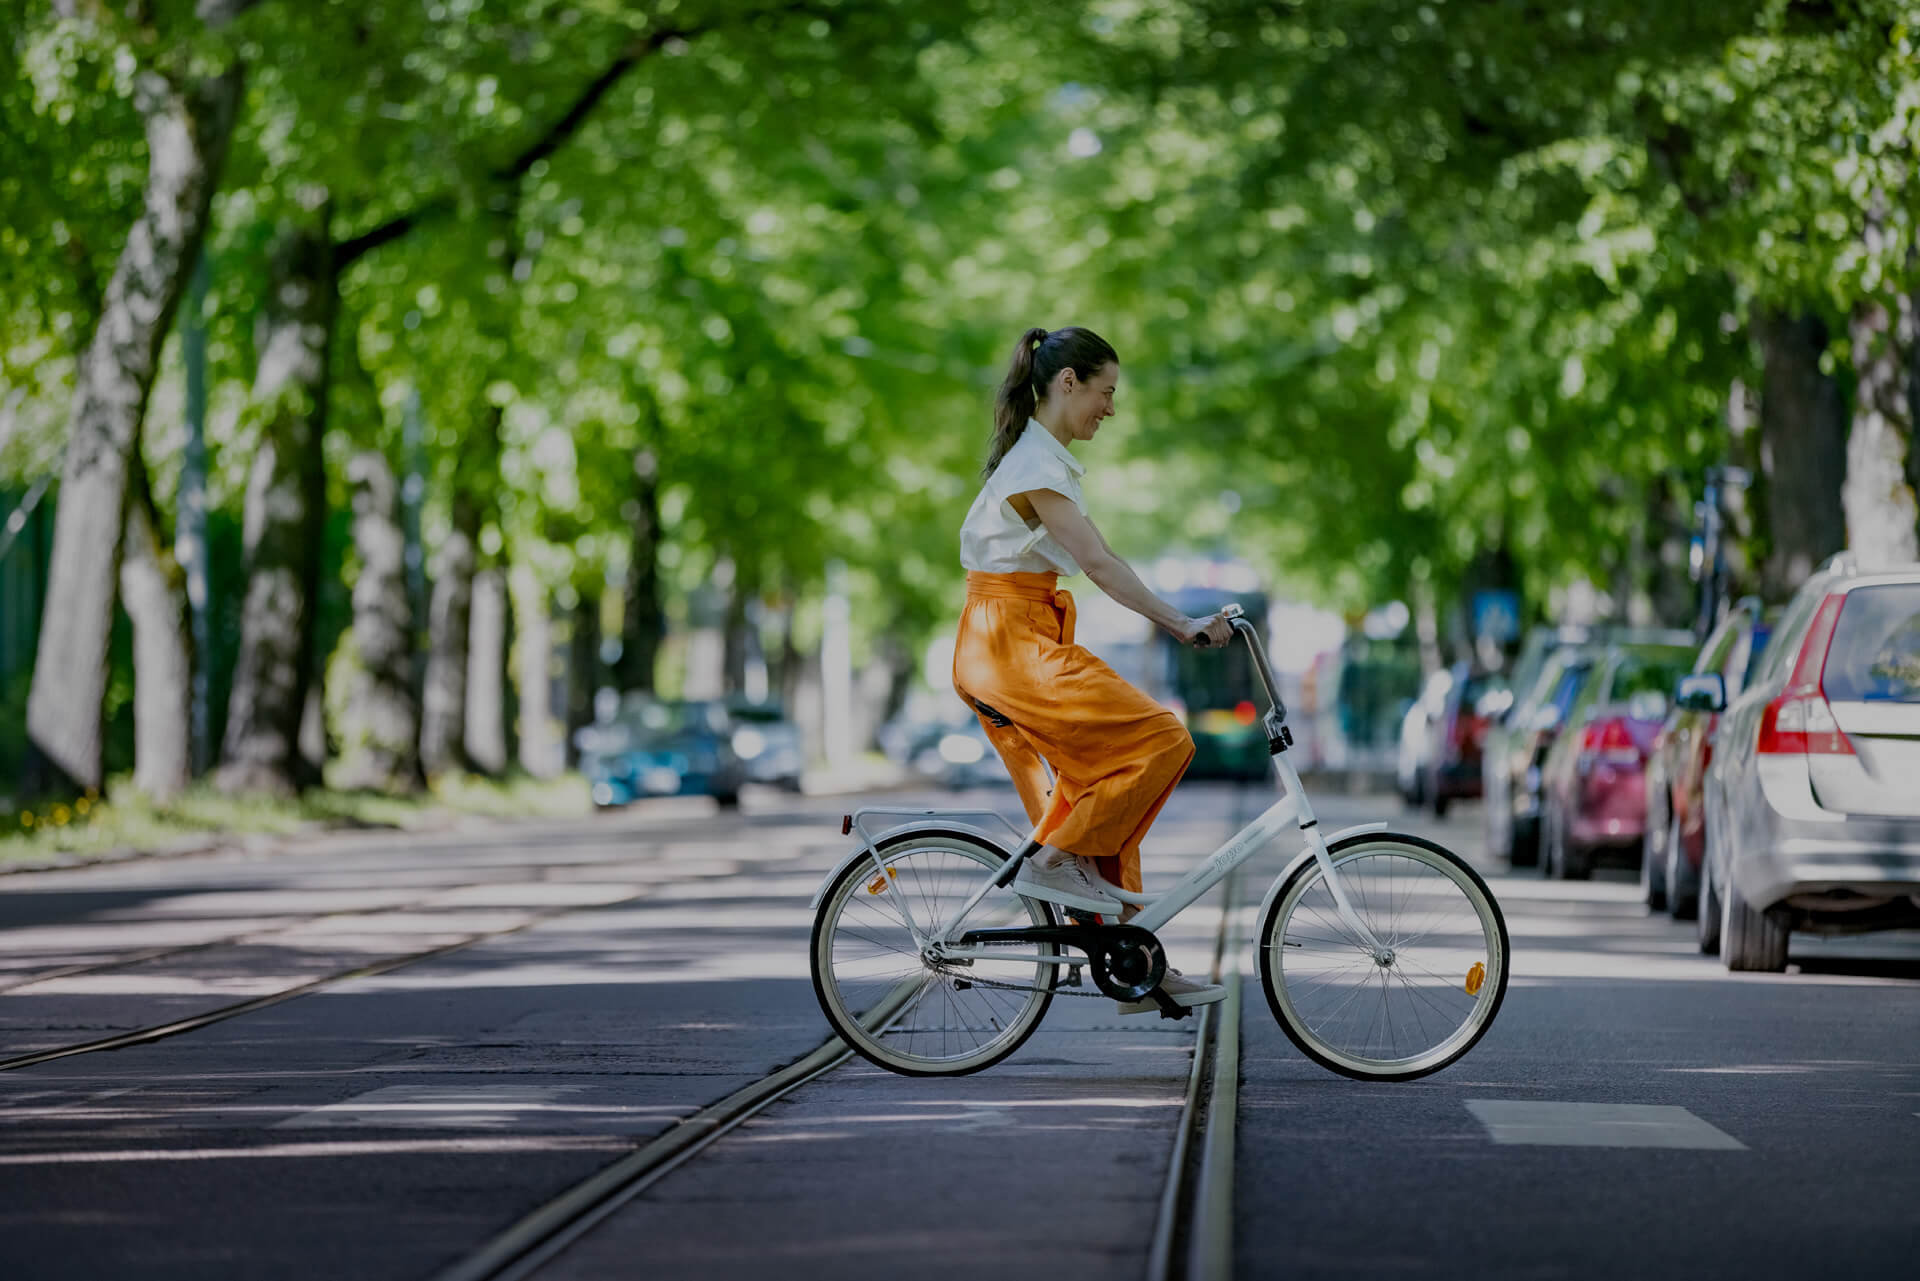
pixel 1475 977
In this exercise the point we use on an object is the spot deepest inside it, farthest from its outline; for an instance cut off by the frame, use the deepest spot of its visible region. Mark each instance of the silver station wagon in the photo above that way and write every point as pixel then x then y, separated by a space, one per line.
pixel 1813 796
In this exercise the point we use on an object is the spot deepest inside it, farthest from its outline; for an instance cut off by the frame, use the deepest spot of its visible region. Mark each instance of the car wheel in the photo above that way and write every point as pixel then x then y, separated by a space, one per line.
pixel 1653 863
pixel 1440 802
pixel 1576 860
pixel 728 800
pixel 1682 902
pixel 1550 841
pixel 1707 926
pixel 1526 850
pixel 1751 939
pixel 1568 861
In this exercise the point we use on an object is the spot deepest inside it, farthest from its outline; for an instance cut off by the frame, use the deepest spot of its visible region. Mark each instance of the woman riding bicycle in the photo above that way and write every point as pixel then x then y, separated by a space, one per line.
pixel 1115 752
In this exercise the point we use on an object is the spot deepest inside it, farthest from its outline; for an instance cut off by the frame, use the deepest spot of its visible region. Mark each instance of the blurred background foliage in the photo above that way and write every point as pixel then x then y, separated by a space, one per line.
pixel 1411 295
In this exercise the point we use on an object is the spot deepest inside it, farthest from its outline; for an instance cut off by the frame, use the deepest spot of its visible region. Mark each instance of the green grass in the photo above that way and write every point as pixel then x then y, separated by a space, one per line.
pixel 126 819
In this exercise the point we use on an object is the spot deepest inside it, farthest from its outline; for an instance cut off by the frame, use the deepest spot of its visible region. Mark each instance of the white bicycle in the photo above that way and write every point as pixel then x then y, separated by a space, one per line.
pixel 1383 956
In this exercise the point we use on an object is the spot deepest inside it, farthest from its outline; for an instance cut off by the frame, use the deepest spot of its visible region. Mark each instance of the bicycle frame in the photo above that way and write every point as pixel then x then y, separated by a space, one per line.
pixel 1292 808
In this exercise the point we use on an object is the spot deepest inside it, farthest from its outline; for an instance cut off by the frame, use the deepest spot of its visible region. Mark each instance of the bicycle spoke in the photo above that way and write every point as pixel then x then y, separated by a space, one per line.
pixel 1401 1018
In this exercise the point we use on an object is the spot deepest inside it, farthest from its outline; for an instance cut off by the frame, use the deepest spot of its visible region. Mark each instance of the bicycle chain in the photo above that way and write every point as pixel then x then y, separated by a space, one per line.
pixel 948 972
pixel 954 973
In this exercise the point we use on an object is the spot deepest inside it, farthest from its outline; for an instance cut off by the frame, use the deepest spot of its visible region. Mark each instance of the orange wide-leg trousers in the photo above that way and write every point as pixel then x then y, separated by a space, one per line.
pixel 1116 754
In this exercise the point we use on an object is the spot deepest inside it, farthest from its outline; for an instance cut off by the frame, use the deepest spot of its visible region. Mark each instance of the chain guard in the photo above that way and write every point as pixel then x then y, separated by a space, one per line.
pixel 1127 961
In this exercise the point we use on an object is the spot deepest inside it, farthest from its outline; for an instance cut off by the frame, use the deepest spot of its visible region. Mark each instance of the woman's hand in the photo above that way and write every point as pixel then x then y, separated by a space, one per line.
pixel 1210 633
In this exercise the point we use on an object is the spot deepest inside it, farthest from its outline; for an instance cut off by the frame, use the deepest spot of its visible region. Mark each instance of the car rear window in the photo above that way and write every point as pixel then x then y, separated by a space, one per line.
pixel 1655 672
pixel 1875 655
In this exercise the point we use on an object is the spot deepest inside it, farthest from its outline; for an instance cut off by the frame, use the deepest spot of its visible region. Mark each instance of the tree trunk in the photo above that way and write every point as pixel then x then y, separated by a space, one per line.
pixel 188 127
pixel 486 740
pixel 734 641
pixel 1671 593
pixel 1883 525
pixel 1803 451
pixel 381 728
pixel 533 630
pixel 153 589
pixel 583 666
pixel 786 676
pixel 642 621
pixel 285 513
pixel 443 710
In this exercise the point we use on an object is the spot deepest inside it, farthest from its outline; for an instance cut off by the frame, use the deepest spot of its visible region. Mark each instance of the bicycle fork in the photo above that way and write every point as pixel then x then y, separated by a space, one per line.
pixel 1310 831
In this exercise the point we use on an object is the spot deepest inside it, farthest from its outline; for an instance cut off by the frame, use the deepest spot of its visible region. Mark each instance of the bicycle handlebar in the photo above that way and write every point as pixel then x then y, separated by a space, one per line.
pixel 1244 628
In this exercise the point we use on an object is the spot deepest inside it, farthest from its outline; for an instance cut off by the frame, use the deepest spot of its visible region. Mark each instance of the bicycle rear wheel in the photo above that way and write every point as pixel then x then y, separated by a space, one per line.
pixel 1434 998
pixel 892 1005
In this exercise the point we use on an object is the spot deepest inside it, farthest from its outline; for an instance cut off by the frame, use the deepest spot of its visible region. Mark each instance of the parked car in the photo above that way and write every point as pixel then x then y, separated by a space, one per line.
pixel 1677 765
pixel 1516 746
pixel 1813 795
pixel 1459 735
pixel 1593 791
pixel 652 747
pixel 962 756
pixel 767 743
pixel 1416 731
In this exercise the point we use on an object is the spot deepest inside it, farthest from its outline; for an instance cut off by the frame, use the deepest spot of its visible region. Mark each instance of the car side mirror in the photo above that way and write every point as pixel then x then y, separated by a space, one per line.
pixel 1702 692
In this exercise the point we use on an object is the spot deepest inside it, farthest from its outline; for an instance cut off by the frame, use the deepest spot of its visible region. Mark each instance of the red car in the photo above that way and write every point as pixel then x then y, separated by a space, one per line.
pixel 1593 785
pixel 1676 832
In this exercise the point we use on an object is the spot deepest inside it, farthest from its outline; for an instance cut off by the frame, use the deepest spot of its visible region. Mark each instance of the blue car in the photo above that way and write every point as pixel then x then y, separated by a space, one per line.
pixel 653 747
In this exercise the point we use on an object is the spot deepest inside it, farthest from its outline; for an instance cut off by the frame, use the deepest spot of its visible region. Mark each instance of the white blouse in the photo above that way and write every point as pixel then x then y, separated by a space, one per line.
pixel 993 538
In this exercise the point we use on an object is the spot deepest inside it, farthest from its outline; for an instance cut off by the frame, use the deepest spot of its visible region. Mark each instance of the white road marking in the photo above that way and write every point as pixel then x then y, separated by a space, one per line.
pixel 469 1107
pixel 347 1148
pixel 1597 1125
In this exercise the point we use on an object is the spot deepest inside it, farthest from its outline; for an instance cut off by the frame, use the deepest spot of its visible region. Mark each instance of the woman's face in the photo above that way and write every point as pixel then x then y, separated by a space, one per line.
pixel 1085 402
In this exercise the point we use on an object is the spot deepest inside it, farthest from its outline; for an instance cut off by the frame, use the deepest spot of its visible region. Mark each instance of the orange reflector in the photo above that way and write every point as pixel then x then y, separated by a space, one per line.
pixel 878 885
pixel 1475 977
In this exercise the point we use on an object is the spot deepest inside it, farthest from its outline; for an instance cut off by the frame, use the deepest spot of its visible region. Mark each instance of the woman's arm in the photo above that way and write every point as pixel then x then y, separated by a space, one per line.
pixel 1070 526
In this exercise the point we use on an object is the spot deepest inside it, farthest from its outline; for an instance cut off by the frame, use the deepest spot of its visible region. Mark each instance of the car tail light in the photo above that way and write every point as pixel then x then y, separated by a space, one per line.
pixel 1799 718
pixel 1609 741
pixel 1245 712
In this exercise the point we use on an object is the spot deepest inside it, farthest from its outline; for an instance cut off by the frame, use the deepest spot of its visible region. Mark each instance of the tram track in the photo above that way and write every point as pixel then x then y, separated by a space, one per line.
pixel 1192 1234
pixel 383 965
pixel 262 932
pixel 220 1014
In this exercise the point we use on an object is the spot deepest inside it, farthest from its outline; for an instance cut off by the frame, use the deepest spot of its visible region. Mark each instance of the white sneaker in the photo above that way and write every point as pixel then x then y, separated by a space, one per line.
pixel 1183 990
pixel 1066 885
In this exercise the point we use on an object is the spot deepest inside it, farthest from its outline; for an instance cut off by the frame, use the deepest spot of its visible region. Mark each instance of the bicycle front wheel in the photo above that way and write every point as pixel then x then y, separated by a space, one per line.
pixel 1428 1002
pixel 881 993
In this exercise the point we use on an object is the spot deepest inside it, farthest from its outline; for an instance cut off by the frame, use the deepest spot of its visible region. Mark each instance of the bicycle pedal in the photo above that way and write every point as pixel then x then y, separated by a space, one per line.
pixel 962 985
pixel 1169 1008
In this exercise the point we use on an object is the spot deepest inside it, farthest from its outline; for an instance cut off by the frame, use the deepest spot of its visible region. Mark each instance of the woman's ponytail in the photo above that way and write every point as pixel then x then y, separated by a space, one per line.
pixel 1014 404
pixel 1037 358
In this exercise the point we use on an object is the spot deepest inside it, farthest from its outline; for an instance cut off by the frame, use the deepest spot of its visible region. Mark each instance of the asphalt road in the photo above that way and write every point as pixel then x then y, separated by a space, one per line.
pixel 575 990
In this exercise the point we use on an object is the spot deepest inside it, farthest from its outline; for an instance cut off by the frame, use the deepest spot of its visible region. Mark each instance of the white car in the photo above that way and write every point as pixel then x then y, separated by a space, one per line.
pixel 1813 796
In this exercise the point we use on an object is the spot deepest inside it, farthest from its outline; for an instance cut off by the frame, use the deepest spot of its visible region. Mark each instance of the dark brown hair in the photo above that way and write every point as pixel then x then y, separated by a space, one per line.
pixel 1037 358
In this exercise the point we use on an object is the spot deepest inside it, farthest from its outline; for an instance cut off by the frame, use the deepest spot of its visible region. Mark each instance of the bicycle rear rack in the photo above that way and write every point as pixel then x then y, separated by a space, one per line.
pixel 857 821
